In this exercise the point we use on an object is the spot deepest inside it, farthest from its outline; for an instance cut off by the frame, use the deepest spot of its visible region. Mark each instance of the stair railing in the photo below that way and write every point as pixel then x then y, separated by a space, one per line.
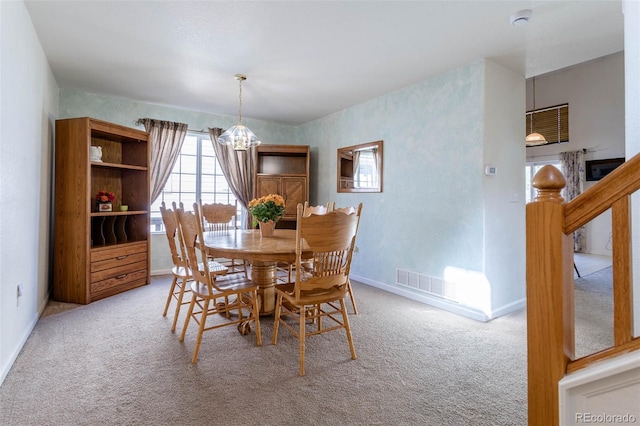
pixel 550 223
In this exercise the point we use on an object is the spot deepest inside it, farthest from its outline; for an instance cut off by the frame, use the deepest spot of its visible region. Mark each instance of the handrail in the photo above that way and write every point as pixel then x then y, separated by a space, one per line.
pixel 550 288
pixel 623 181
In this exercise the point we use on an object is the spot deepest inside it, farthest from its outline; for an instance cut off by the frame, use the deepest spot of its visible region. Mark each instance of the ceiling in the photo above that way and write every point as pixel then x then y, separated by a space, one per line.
pixel 304 59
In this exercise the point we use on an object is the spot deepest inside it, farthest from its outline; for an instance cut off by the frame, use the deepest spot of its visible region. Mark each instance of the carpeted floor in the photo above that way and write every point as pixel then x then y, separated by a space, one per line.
pixel 594 312
pixel 115 362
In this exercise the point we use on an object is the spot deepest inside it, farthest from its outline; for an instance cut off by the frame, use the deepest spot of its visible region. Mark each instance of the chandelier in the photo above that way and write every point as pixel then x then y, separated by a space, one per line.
pixel 239 136
pixel 533 138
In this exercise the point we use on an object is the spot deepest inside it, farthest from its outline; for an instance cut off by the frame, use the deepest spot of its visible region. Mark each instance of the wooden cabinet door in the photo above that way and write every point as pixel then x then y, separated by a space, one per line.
pixel 266 185
pixel 294 191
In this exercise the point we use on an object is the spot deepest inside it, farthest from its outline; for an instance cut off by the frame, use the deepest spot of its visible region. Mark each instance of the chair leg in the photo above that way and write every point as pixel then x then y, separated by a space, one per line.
pixel 186 320
pixel 226 303
pixel 316 312
pixel 173 286
pixel 256 317
pixel 301 336
pixel 353 300
pixel 203 321
pixel 276 322
pixel 347 328
pixel 177 312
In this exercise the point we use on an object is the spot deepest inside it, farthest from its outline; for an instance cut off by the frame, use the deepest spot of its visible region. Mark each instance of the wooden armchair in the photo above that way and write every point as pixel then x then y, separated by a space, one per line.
pixel 319 293
pixel 207 287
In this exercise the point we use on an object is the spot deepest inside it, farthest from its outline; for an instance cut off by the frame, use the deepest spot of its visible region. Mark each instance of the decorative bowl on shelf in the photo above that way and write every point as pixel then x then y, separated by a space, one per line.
pixel 96 154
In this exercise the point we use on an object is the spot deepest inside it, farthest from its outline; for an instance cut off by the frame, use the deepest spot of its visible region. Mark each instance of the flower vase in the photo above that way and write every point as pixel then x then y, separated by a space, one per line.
pixel 267 228
pixel 105 207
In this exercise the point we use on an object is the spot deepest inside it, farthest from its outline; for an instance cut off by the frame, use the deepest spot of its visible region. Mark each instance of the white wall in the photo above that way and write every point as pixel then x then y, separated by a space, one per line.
pixel 595 91
pixel 431 218
pixel 28 108
pixel 504 193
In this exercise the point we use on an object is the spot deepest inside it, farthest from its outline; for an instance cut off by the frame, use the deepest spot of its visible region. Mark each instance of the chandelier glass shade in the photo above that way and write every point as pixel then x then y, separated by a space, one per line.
pixel 239 136
pixel 534 139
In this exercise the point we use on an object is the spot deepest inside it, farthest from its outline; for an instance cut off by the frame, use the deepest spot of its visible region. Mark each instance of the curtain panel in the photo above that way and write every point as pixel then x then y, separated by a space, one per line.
pixel 238 168
pixel 166 139
pixel 573 168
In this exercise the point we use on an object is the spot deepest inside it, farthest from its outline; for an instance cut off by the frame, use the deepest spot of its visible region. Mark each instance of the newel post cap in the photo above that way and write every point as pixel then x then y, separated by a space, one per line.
pixel 549 181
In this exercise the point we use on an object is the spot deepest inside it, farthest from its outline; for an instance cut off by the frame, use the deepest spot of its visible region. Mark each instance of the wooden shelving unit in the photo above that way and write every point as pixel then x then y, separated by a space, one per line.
pixel 99 254
pixel 283 170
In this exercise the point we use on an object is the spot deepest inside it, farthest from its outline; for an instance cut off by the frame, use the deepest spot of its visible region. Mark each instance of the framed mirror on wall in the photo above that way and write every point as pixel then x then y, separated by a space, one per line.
pixel 360 168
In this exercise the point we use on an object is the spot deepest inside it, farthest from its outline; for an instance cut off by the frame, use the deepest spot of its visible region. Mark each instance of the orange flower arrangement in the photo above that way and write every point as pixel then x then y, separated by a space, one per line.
pixel 269 207
pixel 105 197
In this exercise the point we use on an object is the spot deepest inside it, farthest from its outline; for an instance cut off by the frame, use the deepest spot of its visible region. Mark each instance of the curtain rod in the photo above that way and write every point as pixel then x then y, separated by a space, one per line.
pixel 206 132
pixel 584 150
pixel 203 131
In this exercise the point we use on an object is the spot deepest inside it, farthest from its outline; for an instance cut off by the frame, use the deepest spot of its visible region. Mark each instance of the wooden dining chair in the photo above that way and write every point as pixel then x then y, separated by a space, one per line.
pixel 180 271
pixel 217 217
pixel 207 287
pixel 319 293
pixel 348 210
pixel 285 270
pixel 319 209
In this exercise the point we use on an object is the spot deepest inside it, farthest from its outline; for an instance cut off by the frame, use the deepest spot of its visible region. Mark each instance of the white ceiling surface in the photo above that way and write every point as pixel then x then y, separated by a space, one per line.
pixel 304 59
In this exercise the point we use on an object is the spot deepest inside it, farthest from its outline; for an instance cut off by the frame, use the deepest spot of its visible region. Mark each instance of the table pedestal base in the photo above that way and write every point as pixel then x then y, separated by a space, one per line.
pixel 264 274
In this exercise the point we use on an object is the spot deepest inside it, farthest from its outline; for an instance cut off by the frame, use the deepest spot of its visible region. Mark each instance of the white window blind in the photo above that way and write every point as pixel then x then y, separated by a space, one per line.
pixel 551 122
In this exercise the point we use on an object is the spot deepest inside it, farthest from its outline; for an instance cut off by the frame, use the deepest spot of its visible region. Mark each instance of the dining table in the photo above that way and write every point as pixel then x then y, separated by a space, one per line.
pixel 262 253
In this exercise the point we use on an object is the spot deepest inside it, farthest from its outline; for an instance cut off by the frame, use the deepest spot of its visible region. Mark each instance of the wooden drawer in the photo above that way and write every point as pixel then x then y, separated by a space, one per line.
pixel 118 254
pixel 118 271
pixel 118 261
pixel 118 264
pixel 129 280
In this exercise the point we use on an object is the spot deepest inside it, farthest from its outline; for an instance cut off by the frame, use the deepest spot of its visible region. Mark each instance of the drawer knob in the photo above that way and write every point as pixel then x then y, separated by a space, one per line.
pixel 122 257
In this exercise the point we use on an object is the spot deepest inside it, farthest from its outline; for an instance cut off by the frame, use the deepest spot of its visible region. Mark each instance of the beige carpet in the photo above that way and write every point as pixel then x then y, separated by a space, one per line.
pixel 115 362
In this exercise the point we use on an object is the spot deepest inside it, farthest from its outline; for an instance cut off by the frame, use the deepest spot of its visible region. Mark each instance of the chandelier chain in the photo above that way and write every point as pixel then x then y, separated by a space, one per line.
pixel 534 103
pixel 240 103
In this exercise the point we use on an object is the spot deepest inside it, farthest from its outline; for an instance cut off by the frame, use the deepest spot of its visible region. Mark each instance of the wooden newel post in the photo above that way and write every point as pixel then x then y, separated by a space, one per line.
pixel 550 336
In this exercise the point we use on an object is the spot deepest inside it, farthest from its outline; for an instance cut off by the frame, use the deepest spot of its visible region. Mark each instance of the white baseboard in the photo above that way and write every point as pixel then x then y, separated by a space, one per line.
pixel 441 303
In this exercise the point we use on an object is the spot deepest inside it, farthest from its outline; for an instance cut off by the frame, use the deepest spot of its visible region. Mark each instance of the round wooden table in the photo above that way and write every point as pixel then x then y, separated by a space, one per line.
pixel 263 253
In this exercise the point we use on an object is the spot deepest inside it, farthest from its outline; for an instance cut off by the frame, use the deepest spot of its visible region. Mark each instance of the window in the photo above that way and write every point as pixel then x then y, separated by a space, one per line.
pixel 552 123
pixel 530 171
pixel 366 175
pixel 196 175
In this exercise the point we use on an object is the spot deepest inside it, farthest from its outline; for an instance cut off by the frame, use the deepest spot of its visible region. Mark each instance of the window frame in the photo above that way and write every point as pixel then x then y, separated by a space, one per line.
pixel 198 189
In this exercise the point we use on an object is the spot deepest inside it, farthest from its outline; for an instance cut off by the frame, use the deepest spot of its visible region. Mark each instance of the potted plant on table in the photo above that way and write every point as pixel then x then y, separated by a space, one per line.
pixel 267 211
